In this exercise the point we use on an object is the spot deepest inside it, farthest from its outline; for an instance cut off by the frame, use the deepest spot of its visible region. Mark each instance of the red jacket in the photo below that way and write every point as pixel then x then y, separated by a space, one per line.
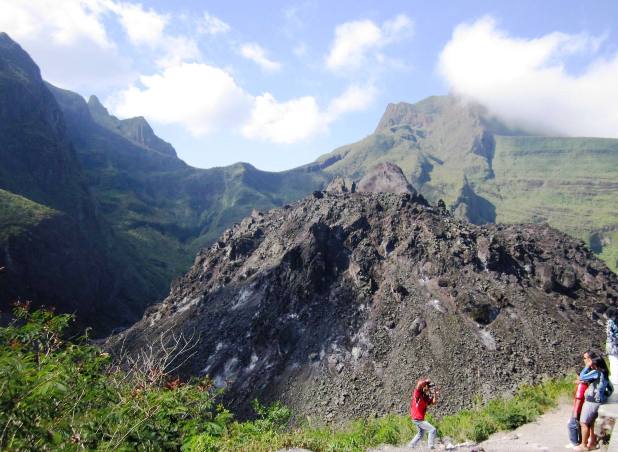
pixel 418 405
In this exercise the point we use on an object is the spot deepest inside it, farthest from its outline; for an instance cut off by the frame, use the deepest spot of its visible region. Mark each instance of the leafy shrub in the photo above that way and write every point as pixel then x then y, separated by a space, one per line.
pixel 59 394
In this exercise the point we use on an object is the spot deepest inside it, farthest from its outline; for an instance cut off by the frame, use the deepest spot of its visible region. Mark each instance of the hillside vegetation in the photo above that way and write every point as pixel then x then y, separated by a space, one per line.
pixel 19 214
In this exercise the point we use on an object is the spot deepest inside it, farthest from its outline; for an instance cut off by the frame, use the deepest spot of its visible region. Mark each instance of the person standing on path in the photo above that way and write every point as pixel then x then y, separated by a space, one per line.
pixel 425 394
pixel 596 394
pixel 586 376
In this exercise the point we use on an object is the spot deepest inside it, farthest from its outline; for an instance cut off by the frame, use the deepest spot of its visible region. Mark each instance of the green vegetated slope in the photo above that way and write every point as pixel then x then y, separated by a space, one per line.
pixel 19 214
pixel 56 248
pixel 436 142
pixel 131 214
pixel 161 208
pixel 570 183
pixel 489 172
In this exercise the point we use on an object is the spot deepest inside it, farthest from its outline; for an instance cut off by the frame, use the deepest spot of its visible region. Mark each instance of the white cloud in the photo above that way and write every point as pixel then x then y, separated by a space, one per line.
pixel 397 28
pixel 257 54
pixel 286 122
pixel 201 97
pixel 212 25
pixel 62 22
pixel 143 27
pixel 354 98
pixel 525 81
pixel 300 119
pixel 176 50
pixel 74 48
pixel 205 99
pixel 148 28
pixel 357 42
pixel 352 41
pixel 68 40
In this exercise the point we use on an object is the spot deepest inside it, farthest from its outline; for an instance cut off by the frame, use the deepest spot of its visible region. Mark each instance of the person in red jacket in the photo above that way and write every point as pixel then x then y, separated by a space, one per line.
pixel 425 394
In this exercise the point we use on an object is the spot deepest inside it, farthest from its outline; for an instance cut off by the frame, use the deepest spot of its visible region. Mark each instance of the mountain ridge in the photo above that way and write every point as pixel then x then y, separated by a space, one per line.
pixel 55 246
pixel 447 147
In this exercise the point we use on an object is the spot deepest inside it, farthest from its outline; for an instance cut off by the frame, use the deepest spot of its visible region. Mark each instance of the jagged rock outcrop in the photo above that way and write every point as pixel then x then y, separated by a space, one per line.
pixel 341 184
pixel 385 178
pixel 338 303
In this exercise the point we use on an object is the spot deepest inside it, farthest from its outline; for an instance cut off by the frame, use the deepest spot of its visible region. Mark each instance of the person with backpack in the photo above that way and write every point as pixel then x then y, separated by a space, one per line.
pixel 598 392
pixel 586 376
pixel 425 394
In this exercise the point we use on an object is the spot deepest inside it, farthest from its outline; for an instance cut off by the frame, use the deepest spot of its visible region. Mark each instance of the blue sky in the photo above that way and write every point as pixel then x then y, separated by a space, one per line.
pixel 277 84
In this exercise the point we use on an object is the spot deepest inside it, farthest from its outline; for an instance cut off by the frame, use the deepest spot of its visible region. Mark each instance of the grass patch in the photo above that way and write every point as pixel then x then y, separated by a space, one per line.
pixel 504 414
pixel 19 214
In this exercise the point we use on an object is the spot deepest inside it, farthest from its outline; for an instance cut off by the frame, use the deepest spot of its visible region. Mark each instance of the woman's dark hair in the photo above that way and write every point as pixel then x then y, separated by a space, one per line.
pixel 591 354
pixel 600 364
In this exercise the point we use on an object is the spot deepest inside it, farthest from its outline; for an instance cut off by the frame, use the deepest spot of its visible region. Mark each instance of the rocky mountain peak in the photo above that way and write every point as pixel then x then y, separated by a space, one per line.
pixel 336 304
pixel 135 129
pixel 385 178
pixel 14 59
pixel 341 184
pixel 96 107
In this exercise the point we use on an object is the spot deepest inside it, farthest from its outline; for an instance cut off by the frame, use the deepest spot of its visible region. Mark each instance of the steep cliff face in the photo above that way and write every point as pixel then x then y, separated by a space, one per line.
pixel 338 303
pixel 131 212
pixel 55 245
pixel 37 158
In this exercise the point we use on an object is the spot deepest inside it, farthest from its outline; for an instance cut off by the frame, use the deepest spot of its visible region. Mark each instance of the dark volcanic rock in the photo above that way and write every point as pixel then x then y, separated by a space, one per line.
pixel 387 178
pixel 341 184
pixel 337 304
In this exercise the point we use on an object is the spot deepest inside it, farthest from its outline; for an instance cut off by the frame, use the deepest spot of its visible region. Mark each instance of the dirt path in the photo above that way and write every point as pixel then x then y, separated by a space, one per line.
pixel 548 433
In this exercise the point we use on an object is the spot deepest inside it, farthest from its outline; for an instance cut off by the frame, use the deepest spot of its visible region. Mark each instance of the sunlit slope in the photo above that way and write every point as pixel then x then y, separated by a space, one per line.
pixel 18 215
pixel 570 183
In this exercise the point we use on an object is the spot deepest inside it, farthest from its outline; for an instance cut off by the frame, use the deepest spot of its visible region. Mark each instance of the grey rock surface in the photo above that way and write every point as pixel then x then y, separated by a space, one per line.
pixel 385 178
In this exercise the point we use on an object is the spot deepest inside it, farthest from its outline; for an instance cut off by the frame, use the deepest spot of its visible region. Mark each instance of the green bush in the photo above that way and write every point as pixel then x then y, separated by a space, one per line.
pixel 59 394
